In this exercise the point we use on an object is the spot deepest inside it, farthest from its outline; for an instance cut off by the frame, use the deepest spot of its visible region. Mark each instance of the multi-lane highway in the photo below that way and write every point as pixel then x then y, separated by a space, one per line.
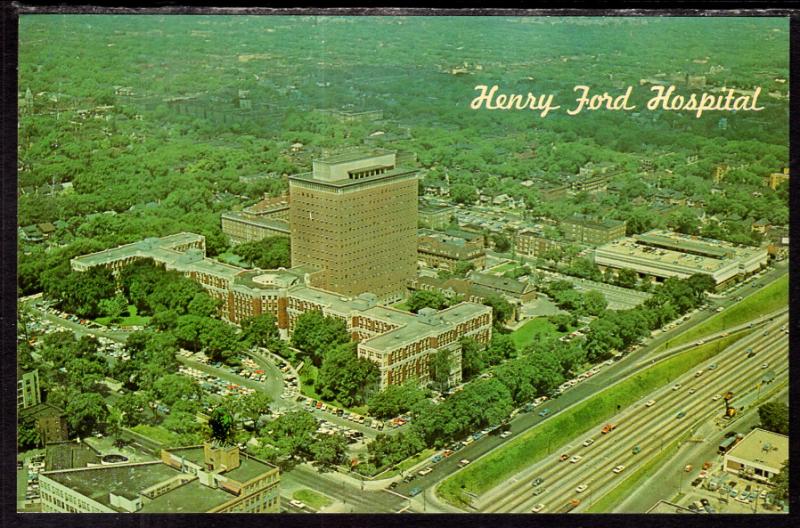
pixel 648 427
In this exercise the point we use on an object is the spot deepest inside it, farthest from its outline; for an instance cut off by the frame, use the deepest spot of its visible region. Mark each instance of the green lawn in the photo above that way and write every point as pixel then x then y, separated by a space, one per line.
pixel 401 306
pixel 770 298
pixel 502 268
pixel 131 320
pixel 536 443
pixel 524 334
pixel 312 498
pixel 157 433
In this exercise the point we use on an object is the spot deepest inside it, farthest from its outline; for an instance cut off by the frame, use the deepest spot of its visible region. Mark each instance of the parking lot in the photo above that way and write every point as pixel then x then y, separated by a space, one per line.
pixel 727 493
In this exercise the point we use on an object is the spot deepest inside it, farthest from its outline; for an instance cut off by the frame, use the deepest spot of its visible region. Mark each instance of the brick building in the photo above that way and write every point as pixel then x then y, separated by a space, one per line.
pixel 354 219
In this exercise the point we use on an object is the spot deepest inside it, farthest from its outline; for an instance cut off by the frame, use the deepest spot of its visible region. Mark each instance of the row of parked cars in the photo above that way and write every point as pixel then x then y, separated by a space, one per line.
pixel 319 405
pixel 214 384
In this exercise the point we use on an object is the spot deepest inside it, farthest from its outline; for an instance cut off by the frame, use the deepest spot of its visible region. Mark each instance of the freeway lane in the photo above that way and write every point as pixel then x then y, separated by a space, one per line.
pixel 642 426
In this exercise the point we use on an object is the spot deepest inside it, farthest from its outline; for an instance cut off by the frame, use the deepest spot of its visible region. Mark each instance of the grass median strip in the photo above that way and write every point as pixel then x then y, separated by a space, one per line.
pixel 533 445
pixel 770 298
pixel 312 499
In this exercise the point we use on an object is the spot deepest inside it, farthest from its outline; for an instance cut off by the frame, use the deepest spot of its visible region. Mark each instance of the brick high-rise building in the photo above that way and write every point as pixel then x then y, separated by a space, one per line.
pixel 354 219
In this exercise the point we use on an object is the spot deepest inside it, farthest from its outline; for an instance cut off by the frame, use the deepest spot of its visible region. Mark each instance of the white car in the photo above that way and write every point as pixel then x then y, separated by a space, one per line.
pixel 717 397
pixel 650 403
pixel 581 488
pixel 297 504
pixel 618 469
pixel 692 390
pixel 423 472
pixel 765 365
pixel 536 509
pixel 588 442
pixel 575 459
pixel 676 386
pixel 505 434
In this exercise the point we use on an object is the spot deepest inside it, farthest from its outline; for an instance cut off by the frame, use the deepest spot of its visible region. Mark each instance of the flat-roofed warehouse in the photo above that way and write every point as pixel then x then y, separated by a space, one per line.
pixel 660 254
pixel 758 456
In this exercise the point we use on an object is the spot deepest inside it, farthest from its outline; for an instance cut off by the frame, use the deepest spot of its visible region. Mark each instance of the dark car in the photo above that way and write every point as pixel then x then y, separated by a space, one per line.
pixel 393 485
pixel 704 501
pixel 544 412
pixel 537 481
pixel 414 491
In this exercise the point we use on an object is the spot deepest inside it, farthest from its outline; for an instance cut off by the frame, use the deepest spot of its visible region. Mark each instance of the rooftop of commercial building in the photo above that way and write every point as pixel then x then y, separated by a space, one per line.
pixel 592 222
pixel 273 279
pixel 354 155
pixel 249 467
pixel 69 455
pixel 417 326
pixel 391 173
pixel 138 248
pixel 192 497
pixel 763 447
pixel 275 224
pixel 664 247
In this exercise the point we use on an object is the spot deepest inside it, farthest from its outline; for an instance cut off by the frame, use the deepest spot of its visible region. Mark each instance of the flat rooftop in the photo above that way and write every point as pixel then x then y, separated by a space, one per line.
pixel 309 178
pixel 249 467
pixel 354 155
pixel 762 447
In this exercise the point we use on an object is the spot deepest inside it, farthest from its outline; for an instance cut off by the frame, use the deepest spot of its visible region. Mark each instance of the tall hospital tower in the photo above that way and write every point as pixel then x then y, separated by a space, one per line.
pixel 354 221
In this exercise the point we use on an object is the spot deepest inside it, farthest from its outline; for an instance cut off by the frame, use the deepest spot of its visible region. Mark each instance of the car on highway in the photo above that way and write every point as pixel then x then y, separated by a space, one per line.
pixel 716 397
pixel 750 352
pixel 680 415
pixel 581 488
pixel 692 390
pixel 765 365
pixel 544 412
pixel 588 442
pixel 676 386
pixel 712 366
pixel 537 481
pixel 698 373
pixel 463 462
pixel 505 434
pixel 650 403
pixel 297 504
pixel 607 428
pixel 575 459
pixel 538 508
pixel 538 491
pixel 563 457
pixel 618 469
pixel 636 450
pixel 688 468
pixel 423 472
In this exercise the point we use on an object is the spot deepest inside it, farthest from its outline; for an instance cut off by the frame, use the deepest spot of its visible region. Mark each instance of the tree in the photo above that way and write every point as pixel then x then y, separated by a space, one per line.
pixel 329 450
pixel 267 253
pixel 86 413
pixel 315 334
pixel 441 365
pixel 774 417
pixel 395 400
pixel 501 243
pixel 501 309
pixel 113 308
pixel 345 377
pixel 260 330
pixel 473 359
pixel 781 482
pixel 594 303
pixel 293 433
pixel 131 405
pixel 463 194
pixel 221 423
pixel 172 388
pixel 202 304
pixel 255 404
pixel 426 299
